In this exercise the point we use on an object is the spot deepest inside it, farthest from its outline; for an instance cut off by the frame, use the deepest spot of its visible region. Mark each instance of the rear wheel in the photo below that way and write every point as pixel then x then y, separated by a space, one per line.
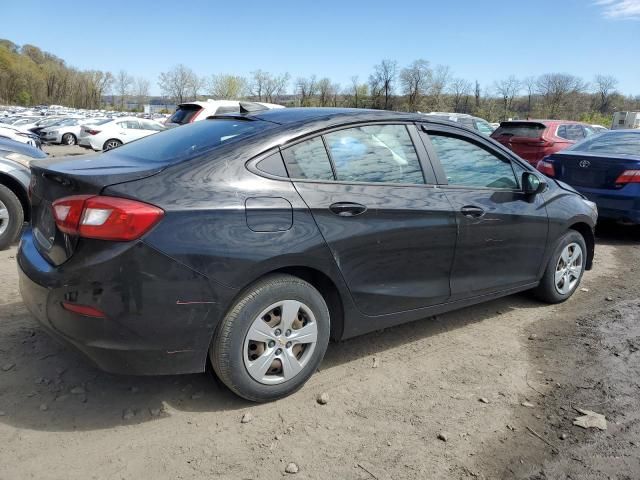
pixel 272 339
pixel 69 139
pixel 112 143
pixel 11 217
pixel 564 270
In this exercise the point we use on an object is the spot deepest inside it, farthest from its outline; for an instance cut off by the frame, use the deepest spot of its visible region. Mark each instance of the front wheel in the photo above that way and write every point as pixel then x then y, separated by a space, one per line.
pixel 272 339
pixel 564 270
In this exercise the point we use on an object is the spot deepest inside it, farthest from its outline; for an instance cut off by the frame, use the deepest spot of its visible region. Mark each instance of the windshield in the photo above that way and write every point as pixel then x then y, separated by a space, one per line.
pixel 618 143
pixel 528 130
pixel 176 144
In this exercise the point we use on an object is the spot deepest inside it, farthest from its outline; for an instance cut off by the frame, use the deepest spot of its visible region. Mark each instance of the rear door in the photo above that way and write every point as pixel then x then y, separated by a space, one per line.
pixel 524 138
pixel 502 233
pixel 389 229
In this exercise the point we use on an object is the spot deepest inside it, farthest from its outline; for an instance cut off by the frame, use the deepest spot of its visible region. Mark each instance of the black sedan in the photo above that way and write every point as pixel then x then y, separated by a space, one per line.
pixel 249 240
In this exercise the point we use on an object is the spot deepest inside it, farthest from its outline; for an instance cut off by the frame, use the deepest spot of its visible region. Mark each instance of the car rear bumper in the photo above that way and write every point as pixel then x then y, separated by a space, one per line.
pixel 159 316
pixel 623 204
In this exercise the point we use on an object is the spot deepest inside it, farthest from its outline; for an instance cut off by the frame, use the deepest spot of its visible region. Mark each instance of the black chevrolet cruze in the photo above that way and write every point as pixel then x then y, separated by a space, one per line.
pixel 251 239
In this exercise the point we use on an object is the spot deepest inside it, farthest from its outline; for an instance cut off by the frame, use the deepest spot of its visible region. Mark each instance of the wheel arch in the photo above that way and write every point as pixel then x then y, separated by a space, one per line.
pixel 20 191
pixel 321 282
pixel 587 233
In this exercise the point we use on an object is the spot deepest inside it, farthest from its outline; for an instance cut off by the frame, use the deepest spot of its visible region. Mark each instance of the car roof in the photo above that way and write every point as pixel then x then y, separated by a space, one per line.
pixel 283 116
pixel 542 121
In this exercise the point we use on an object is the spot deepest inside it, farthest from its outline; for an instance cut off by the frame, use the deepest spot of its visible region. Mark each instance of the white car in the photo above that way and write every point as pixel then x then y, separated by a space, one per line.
pixel 106 134
pixel 194 111
pixel 66 131
pixel 19 135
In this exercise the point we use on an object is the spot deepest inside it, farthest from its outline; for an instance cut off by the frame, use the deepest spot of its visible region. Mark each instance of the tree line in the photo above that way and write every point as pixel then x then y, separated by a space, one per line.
pixel 30 76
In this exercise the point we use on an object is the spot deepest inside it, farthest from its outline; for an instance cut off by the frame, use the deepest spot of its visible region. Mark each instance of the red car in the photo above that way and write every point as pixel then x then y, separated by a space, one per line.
pixel 535 139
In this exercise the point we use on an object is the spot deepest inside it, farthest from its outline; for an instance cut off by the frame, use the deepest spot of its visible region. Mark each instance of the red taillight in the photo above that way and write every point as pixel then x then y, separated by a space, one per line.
pixel 105 218
pixel 85 310
pixel 67 212
pixel 628 176
pixel 546 168
pixel 91 132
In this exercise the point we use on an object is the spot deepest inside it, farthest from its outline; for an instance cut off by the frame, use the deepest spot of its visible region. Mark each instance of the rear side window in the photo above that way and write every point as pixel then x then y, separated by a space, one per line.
pixel 374 153
pixel 467 164
pixel 184 114
pixel 178 144
pixel 308 160
pixel 483 127
pixel 571 132
pixel 528 130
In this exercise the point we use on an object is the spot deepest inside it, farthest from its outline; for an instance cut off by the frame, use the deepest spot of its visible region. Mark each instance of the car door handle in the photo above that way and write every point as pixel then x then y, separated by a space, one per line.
pixel 472 212
pixel 347 209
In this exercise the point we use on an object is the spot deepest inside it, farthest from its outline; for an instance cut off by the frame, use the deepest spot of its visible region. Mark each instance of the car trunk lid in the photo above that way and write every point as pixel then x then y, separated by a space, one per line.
pixel 581 169
pixel 57 178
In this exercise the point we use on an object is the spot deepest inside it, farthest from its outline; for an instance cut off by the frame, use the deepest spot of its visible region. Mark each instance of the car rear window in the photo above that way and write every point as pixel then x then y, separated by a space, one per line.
pixel 528 130
pixel 616 143
pixel 179 144
pixel 184 114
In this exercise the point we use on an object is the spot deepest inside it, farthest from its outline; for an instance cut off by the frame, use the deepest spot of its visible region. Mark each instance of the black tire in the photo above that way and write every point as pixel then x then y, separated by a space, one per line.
pixel 546 290
pixel 227 348
pixel 15 214
pixel 111 144
pixel 69 139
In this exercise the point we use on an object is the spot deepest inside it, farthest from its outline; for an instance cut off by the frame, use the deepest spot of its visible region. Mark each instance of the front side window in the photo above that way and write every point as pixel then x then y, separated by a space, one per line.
pixel 308 160
pixel 468 165
pixel 374 153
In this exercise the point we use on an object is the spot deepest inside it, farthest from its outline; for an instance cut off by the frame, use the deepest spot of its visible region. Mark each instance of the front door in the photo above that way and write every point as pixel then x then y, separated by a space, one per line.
pixel 502 233
pixel 391 233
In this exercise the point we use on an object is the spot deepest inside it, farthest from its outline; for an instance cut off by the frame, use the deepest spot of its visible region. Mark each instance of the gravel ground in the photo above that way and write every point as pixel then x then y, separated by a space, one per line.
pixel 490 391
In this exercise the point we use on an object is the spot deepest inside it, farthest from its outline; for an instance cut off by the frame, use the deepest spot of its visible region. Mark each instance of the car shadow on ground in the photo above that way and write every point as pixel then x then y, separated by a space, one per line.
pixel 50 387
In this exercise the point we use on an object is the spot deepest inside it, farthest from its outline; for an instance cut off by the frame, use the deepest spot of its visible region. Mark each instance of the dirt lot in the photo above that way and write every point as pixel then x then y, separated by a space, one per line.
pixel 463 376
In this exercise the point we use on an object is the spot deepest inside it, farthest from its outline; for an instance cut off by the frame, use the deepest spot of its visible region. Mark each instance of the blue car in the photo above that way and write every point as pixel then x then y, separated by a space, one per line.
pixel 606 169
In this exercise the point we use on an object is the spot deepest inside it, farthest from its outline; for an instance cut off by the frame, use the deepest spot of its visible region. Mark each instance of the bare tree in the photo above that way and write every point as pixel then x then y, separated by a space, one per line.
pixel 177 83
pixel 266 86
pixel 225 86
pixel 604 87
pixel 415 81
pixel 441 77
pixel 555 88
pixel 325 92
pixel 124 85
pixel 142 87
pixel 306 88
pixel 382 82
pixel 507 89
pixel 460 90
pixel 529 84
pixel 477 94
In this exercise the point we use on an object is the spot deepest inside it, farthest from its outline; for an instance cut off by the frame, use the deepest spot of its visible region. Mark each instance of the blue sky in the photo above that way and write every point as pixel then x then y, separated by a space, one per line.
pixel 477 39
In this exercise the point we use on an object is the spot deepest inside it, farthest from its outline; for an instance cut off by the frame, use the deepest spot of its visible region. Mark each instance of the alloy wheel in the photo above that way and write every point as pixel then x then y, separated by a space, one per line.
pixel 4 218
pixel 280 342
pixel 568 268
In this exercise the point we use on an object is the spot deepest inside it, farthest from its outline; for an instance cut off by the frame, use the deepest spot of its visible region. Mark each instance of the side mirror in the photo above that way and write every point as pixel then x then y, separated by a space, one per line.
pixel 532 184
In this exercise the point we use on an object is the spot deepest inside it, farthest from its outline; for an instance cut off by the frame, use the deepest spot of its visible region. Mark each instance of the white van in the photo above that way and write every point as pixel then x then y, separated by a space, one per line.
pixel 625 120
pixel 194 111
